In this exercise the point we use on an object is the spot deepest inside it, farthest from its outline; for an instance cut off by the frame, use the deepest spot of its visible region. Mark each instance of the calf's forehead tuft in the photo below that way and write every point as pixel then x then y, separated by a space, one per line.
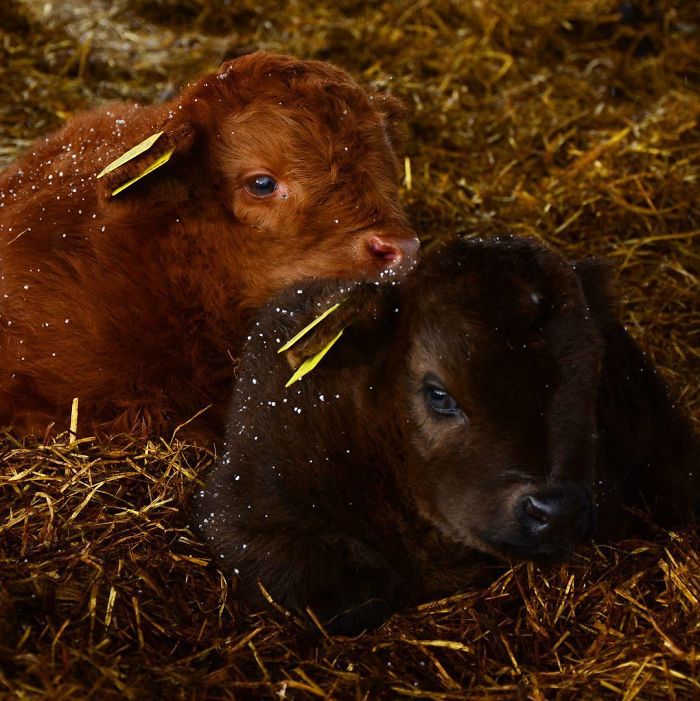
pixel 505 287
pixel 491 270
pixel 284 81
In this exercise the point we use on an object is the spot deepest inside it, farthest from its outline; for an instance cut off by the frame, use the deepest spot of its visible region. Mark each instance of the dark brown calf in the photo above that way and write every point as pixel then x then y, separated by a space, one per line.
pixel 488 406
pixel 136 302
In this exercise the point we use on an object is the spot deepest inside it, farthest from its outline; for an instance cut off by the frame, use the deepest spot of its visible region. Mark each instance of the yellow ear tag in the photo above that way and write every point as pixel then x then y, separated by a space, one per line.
pixel 131 153
pixel 310 363
pixel 308 328
pixel 156 164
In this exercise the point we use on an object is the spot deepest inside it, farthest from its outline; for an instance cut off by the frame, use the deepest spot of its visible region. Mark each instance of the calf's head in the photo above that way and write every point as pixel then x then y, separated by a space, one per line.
pixel 499 384
pixel 300 164
pixel 485 393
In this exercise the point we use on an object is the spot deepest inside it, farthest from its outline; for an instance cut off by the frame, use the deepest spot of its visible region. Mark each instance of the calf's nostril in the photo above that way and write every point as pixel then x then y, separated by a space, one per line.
pixel 536 511
pixel 384 250
pixel 394 252
pixel 555 516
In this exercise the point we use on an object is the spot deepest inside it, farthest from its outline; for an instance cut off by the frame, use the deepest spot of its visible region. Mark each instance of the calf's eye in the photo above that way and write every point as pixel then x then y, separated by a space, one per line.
pixel 261 185
pixel 442 403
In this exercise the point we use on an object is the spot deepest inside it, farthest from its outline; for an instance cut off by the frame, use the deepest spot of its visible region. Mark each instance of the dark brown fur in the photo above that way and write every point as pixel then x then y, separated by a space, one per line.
pixel 350 494
pixel 136 303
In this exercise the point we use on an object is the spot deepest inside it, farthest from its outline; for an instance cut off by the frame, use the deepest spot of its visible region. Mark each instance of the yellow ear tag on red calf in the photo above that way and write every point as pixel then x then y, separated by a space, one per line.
pixel 156 164
pixel 131 154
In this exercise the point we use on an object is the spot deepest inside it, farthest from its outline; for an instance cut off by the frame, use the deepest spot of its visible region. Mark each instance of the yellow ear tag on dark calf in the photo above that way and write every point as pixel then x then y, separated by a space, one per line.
pixel 308 328
pixel 131 153
pixel 310 363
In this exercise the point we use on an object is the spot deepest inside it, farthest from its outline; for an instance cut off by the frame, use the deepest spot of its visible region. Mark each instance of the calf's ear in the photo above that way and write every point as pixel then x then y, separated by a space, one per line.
pixel 596 278
pixel 646 444
pixel 130 173
pixel 356 310
pixel 394 113
pixel 181 146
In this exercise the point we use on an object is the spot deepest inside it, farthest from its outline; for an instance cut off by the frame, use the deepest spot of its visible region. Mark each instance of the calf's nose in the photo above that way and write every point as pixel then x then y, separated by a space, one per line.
pixel 393 252
pixel 556 517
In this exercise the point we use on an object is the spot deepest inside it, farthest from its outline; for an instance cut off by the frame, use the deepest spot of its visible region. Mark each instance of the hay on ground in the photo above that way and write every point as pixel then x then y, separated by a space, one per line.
pixel 573 121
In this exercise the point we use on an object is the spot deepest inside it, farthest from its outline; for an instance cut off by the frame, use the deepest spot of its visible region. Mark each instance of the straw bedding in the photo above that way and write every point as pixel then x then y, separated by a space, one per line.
pixel 573 121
